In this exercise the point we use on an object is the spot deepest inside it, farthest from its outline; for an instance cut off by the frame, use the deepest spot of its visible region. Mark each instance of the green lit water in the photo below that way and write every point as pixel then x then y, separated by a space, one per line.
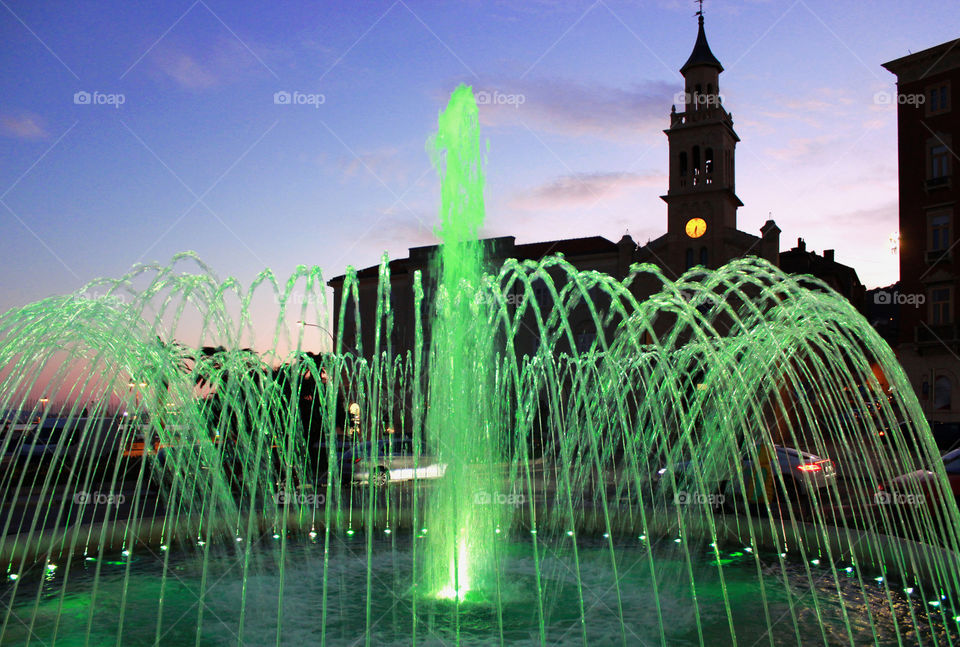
pixel 160 483
pixel 394 608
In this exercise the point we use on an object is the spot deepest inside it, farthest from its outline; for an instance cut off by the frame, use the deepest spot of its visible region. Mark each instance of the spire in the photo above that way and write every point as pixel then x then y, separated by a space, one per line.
pixel 701 54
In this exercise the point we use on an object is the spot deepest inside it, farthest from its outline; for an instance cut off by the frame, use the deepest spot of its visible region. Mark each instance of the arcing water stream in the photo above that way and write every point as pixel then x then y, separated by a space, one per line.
pixel 719 463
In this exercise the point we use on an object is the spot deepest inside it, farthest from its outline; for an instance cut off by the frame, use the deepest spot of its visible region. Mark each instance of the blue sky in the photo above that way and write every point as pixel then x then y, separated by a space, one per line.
pixel 200 157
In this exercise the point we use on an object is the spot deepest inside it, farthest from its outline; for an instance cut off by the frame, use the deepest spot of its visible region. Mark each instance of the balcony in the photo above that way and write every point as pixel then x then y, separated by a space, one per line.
pixel 938 183
pixel 935 256
pixel 946 333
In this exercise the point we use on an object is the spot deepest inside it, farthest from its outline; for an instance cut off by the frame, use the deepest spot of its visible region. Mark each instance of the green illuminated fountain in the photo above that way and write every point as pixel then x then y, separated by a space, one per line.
pixel 460 424
pixel 722 462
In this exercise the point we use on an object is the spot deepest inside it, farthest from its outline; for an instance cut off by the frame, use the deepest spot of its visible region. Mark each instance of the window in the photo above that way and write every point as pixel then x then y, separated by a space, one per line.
pixel 939 232
pixel 696 163
pixel 585 337
pixel 689 261
pixel 703 256
pixel 940 311
pixel 708 164
pixel 683 164
pixel 939 161
pixel 942 393
pixel 542 294
pixel 952 466
pixel 938 98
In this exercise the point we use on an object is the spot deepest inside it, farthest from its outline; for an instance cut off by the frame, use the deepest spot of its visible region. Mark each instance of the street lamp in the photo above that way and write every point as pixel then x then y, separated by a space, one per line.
pixel 332 338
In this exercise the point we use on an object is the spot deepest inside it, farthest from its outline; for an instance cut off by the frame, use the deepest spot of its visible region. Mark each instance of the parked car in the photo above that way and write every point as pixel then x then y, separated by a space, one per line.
pixel 923 482
pixel 802 472
pixel 386 461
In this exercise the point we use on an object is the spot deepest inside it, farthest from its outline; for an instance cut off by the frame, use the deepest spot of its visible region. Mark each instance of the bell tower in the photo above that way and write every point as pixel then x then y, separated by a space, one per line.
pixel 701 201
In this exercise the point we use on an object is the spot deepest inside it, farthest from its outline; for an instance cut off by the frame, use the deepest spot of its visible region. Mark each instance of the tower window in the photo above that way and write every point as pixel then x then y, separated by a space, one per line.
pixel 703 256
pixel 696 163
pixel 708 164
pixel 683 164
pixel 689 259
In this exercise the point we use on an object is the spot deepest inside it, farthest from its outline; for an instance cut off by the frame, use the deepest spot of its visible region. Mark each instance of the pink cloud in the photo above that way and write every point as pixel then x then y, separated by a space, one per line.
pixel 584 189
pixel 25 126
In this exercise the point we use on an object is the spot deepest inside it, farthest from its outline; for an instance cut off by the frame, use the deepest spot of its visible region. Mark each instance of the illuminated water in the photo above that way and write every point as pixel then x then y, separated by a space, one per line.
pixel 191 491
pixel 393 607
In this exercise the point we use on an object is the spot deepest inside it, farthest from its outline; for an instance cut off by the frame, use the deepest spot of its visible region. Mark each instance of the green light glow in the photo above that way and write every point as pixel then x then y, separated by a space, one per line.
pixel 560 404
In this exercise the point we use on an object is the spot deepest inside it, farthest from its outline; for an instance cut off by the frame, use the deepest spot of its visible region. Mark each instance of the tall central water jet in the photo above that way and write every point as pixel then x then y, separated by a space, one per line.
pixel 462 517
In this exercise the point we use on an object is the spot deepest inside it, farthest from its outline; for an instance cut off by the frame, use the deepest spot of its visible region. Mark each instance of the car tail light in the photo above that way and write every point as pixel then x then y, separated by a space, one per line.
pixel 810 467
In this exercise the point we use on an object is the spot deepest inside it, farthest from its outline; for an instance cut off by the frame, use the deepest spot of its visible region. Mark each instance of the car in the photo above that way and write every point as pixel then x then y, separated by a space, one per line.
pixel 803 472
pixel 387 461
pixel 922 483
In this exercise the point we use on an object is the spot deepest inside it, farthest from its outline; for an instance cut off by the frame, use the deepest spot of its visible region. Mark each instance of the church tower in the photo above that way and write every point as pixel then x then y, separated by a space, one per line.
pixel 701 201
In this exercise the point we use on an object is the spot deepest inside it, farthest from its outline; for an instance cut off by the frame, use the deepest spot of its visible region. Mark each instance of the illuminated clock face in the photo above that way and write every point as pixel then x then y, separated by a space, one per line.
pixel 696 227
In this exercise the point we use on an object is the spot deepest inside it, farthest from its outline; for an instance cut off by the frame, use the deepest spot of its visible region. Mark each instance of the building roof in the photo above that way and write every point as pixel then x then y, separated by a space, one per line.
pixel 569 247
pixel 701 54
pixel 840 277
pixel 939 58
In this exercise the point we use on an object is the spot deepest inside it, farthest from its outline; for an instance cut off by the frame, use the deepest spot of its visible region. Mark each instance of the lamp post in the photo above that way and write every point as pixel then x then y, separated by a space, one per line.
pixel 333 339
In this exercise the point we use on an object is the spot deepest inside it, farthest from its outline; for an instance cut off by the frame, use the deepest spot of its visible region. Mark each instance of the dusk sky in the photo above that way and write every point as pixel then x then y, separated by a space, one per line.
pixel 199 156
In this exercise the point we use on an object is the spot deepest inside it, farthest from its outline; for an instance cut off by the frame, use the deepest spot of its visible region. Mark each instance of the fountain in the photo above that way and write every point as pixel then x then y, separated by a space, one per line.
pixel 722 465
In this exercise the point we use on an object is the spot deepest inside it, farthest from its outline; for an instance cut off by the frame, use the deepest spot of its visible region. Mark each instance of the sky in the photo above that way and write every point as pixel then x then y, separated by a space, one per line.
pixel 269 135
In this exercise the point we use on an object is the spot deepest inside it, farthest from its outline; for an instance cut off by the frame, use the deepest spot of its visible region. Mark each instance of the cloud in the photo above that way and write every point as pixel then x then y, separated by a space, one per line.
pixel 820 148
pixel 584 189
pixel 223 61
pixel 382 163
pixel 574 108
pixel 26 126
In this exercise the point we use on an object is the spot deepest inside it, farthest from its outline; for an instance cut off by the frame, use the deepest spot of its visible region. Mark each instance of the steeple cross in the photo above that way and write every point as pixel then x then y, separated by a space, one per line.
pixel 700 2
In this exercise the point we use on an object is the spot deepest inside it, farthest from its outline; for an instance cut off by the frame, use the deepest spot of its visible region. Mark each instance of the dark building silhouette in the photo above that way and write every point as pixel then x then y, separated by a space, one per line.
pixel 701 225
pixel 928 133
pixel 883 313
pixel 842 278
